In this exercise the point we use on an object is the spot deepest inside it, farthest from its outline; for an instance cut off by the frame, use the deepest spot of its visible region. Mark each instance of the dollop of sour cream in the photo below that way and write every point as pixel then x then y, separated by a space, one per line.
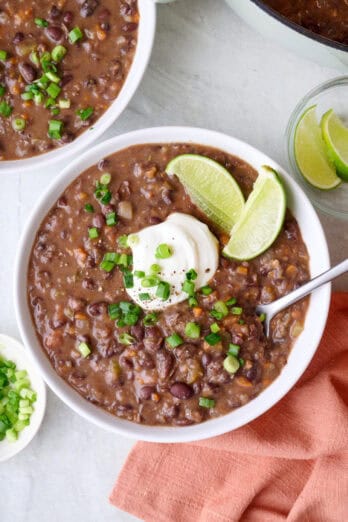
pixel 192 246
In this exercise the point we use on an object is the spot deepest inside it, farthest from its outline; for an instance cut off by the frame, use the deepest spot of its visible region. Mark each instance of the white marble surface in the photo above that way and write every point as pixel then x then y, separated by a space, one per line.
pixel 207 69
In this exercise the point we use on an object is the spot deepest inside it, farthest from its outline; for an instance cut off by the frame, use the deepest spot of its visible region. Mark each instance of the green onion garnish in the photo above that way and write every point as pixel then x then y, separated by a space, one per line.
pixel 3 55
pixel 18 124
pixel 105 178
pixel 192 330
pixel 237 310
pixel 75 35
pixel 41 22
pixel 150 319
pixel 139 273
pixel 55 129
pixel 111 219
pixel 231 302
pixel 123 242
pixel 93 233
pixel 89 207
pixel 233 349
pixel 231 364
pixel 84 349
pixel 155 269
pixel 188 287
pixel 241 361
pixel 107 266
pixel 85 113
pixel 163 290
pixel 58 53
pixel 112 256
pixel 128 280
pixel 150 281
pixel 163 251
pixel 64 104
pixel 204 402
pixel 5 109
pixel 191 275
pixel 125 338
pixel 213 338
pixel 126 312
pixel 192 301
pixel 55 111
pixel 53 90
pixel 2 89
pixel 206 290
pixel 262 317
pixel 174 340
pixel 215 328
pixel 53 77
pixel 34 58
pixel 221 308
pixel 144 296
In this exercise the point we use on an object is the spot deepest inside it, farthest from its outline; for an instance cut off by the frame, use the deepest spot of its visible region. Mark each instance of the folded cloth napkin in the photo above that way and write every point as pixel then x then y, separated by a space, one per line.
pixel 289 464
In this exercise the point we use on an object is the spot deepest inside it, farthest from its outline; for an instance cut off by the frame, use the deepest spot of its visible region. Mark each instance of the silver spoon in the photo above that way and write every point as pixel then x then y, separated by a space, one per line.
pixel 271 309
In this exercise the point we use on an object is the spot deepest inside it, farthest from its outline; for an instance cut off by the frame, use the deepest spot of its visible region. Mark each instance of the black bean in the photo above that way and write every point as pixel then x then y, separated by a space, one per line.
pixel 164 363
pixel 146 392
pixel 96 309
pixel 65 80
pixel 108 347
pixel 182 391
pixel 27 71
pixel 183 422
pixel 54 33
pixel 68 17
pixel 18 37
pixel 77 304
pixel 103 164
pixel 153 338
pixel 129 28
pixel 138 332
pixel 88 7
pixel 105 26
pixel 145 360
pixel 84 338
pixel 67 137
pixel 167 196
pixel 62 202
pixel 154 220
pixel 206 359
pixel 104 15
pixel 54 12
pixel 88 283
pixel 98 220
pixel 108 209
pixel 254 374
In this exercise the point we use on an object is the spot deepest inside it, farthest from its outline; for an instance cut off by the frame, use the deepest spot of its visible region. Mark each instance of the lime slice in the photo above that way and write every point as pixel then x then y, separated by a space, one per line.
pixel 335 135
pixel 311 155
pixel 261 220
pixel 211 187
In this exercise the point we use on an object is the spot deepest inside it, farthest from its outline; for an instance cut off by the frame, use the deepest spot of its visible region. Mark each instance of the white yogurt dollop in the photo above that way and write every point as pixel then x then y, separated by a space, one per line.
pixel 192 246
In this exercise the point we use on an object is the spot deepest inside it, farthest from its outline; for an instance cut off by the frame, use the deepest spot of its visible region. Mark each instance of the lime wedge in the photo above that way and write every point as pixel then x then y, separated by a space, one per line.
pixel 311 155
pixel 261 220
pixel 335 135
pixel 211 187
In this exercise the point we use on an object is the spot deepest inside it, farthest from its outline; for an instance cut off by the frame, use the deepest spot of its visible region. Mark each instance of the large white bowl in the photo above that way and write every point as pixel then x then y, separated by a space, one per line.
pixel 303 350
pixel 146 33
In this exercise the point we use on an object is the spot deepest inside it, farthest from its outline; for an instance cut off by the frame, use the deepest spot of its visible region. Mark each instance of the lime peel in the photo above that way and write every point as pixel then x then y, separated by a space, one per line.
pixel 335 135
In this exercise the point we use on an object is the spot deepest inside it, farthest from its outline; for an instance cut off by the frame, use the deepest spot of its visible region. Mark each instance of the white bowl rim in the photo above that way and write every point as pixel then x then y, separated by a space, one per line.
pixel 15 351
pixel 146 35
pixel 317 311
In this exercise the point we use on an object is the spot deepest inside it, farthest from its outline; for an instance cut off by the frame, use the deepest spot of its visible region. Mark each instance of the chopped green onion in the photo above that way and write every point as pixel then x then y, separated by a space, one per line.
pixel 84 349
pixel 204 402
pixel 174 340
pixel 93 233
pixel 231 302
pixel 163 251
pixel 192 330
pixel 112 256
pixel 206 290
pixel 139 273
pixel 213 338
pixel 241 321
pixel 241 361
pixel 55 129
pixel 111 219
pixel 188 287
pixel 2 89
pixel 5 109
pixel 89 207
pixel 262 317
pixel 107 266
pixel 215 328
pixel 41 22
pixel 191 275
pixel 75 35
pixel 150 319
pixel 133 239
pixel 163 290
pixel 221 308
pixel 3 55
pixel 64 104
pixel 216 315
pixel 84 114
pixel 125 338
pixel 58 53
pixel 53 90
pixel 38 98
pixel 231 364
pixel 192 301
pixel 144 296
pixel 34 58
pixel 27 96
pixel 128 280
pixel 149 281
pixel 237 310
pixel 155 269
pixel 233 349
pixel 123 242
pixel 105 178
pixel 53 77
pixel 18 124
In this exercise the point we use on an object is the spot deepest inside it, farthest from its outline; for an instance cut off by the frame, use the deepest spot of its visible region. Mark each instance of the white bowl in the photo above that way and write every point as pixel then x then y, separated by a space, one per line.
pixel 146 33
pixel 14 351
pixel 303 350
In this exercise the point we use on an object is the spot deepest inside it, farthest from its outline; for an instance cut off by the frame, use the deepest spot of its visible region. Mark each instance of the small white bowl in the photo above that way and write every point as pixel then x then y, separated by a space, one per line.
pixel 146 33
pixel 14 351
pixel 301 353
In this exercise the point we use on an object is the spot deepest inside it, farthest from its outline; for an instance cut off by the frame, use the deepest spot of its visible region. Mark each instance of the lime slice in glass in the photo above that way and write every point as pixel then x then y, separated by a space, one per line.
pixel 335 135
pixel 311 154
pixel 211 187
pixel 261 220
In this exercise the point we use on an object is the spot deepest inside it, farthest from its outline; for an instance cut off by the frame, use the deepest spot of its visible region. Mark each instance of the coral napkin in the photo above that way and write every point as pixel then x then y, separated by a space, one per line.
pixel 290 464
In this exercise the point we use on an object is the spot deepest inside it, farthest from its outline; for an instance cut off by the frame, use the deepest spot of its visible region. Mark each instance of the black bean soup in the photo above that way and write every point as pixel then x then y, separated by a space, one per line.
pixel 143 366
pixel 62 63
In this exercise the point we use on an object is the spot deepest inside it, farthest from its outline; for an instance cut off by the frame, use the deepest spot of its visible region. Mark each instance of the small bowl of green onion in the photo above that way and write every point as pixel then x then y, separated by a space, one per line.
pixel 22 398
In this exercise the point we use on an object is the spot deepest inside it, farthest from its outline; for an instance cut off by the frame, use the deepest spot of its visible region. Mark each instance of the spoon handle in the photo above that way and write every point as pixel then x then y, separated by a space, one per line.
pixel 307 288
